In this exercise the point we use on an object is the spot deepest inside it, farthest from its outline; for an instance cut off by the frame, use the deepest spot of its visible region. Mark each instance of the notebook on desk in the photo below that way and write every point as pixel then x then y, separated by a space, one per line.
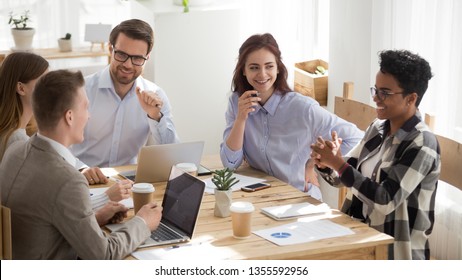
pixel 155 161
pixel 290 211
pixel 181 203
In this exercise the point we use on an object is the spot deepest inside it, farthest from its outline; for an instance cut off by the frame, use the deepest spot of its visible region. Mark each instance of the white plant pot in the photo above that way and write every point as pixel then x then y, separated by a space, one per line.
pixel 65 45
pixel 223 200
pixel 23 38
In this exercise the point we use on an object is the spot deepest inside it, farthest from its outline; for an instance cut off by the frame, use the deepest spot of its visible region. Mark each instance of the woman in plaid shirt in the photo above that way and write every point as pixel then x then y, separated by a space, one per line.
pixel 392 174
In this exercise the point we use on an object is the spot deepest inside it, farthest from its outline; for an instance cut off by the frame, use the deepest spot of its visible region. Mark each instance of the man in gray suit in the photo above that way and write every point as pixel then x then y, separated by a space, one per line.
pixel 52 217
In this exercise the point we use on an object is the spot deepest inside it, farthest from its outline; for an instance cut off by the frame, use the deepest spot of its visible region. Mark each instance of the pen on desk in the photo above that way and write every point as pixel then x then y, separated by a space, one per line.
pixel 115 179
pixel 179 246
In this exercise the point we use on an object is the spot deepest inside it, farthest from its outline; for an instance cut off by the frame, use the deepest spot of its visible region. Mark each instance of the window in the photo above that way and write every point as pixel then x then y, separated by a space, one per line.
pixel 301 27
pixel 432 28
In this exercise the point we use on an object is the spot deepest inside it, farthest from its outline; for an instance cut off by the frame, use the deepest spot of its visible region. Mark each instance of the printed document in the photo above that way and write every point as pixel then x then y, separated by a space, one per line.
pixel 303 231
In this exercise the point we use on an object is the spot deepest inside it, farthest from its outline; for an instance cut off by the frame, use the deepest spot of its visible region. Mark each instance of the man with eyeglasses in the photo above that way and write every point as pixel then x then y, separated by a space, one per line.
pixel 125 108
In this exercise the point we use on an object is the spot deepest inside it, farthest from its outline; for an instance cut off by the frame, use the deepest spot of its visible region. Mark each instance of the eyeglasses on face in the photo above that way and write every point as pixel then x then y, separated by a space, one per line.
pixel 122 57
pixel 382 94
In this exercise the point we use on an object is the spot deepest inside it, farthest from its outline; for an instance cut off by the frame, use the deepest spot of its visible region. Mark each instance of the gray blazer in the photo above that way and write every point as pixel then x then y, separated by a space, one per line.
pixel 52 217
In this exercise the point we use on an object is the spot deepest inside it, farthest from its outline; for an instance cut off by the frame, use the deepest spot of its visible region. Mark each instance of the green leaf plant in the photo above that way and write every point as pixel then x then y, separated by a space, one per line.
pixel 223 179
pixel 19 22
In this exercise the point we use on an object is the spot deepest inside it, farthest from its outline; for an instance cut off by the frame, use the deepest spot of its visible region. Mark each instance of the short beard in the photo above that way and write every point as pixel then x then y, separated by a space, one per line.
pixel 123 81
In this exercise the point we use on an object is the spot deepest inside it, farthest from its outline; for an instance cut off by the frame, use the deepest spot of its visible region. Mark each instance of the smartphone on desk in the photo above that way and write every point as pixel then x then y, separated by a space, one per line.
pixel 256 187
pixel 202 171
pixel 129 175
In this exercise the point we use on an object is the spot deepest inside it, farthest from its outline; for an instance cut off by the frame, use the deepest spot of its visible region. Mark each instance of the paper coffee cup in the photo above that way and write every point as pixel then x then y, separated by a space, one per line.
pixel 142 193
pixel 241 216
pixel 188 167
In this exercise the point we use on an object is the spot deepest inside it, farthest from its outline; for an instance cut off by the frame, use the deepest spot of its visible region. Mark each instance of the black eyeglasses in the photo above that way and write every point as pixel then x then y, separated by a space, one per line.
pixel 122 57
pixel 382 94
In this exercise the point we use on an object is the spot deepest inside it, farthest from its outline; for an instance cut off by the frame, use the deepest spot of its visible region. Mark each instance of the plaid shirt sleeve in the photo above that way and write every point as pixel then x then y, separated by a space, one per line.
pixel 409 167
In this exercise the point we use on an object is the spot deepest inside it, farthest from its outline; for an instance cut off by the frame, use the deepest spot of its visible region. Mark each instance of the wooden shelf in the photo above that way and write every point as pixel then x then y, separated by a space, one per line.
pixel 54 53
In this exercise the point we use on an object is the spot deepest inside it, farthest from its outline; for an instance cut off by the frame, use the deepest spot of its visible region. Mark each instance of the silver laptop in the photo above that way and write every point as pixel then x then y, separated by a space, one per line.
pixel 155 162
pixel 181 203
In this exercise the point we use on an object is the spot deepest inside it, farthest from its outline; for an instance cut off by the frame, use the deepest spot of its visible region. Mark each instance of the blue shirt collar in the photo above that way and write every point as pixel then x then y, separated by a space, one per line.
pixel 271 104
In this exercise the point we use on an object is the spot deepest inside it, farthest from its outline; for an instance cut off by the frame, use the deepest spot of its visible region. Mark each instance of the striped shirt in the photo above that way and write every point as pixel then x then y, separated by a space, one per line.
pixel 399 198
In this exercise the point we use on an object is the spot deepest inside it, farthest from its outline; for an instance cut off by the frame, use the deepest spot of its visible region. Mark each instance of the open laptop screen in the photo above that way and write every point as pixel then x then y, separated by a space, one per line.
pixel 182 200
pixel 155 161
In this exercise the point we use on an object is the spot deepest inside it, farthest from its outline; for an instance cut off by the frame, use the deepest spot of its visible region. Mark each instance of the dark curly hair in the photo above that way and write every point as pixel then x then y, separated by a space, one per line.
pixel 412 71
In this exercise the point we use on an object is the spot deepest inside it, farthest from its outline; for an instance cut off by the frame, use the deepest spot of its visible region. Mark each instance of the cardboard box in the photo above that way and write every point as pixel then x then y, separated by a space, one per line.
pixel 310 84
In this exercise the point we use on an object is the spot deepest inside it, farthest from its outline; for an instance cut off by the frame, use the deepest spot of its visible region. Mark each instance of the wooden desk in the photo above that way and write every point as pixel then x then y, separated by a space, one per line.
pixel 54 53
pixel 366 243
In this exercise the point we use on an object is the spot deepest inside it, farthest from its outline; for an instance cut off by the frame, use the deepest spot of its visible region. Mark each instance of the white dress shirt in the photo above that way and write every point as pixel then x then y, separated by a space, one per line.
pixel 118 128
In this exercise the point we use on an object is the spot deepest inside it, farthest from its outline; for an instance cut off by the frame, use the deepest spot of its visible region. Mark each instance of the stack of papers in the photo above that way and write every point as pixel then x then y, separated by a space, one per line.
pixel 291 211
pixel 128 202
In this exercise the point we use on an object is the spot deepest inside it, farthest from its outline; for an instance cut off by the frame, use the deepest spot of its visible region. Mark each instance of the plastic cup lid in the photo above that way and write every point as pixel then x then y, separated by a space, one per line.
pixel 242 207
pixel 187 166
pixel 142 188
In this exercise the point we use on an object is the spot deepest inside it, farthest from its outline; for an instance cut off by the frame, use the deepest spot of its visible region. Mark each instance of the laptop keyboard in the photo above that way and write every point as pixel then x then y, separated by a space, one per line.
pixel 130 177
pixel 163 233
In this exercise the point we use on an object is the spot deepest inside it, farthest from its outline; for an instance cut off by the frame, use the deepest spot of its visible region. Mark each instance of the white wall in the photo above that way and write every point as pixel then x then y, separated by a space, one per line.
pixel 351 57
pixel 193 58
pixel 350 48
pixel 139 11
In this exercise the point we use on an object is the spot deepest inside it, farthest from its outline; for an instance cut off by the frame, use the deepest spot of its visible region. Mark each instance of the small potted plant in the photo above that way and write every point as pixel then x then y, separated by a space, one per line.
pixel 187 3
pixel 65 43
pixel 22 33
pixel 223 180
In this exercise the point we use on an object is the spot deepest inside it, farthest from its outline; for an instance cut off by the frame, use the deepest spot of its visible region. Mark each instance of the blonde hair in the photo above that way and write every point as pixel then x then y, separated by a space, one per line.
pixel 17 67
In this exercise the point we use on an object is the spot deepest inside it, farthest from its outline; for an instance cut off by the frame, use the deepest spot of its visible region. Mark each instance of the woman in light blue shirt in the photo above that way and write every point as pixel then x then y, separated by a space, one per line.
pixel 272 127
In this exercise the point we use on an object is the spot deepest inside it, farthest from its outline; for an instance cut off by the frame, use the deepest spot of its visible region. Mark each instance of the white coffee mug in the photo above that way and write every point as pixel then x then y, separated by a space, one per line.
pixel 188 167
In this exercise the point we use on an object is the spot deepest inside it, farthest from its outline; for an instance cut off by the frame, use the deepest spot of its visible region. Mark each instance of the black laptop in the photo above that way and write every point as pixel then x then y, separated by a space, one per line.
pixel 181 203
